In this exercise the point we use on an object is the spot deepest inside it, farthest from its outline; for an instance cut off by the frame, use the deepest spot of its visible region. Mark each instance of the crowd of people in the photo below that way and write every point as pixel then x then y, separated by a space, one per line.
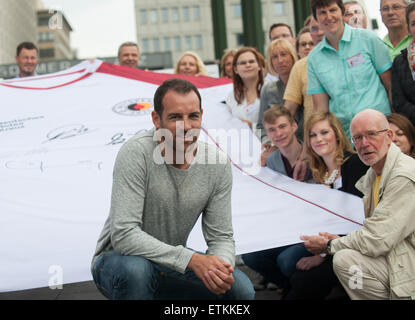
pixel 343 76
pixel 334 105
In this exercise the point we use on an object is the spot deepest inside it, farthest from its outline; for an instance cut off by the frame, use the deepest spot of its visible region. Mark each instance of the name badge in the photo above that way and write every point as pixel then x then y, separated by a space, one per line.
pixel 355 60
pixel 413 75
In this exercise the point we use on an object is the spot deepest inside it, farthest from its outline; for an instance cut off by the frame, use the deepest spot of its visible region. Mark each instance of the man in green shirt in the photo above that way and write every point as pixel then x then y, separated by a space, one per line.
pixel 393 16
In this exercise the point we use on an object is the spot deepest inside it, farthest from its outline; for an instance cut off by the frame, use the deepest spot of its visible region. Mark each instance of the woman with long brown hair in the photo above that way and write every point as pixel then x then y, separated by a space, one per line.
pixel 328 149
pixel 248 79
pixel 403 133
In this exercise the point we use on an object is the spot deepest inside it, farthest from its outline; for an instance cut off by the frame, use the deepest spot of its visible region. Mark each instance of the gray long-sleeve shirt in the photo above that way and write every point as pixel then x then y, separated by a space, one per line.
pixel 155 206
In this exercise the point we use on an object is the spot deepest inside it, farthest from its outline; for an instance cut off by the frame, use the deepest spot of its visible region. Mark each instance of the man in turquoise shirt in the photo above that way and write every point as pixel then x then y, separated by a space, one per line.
pixel 393 16
pixel 350 70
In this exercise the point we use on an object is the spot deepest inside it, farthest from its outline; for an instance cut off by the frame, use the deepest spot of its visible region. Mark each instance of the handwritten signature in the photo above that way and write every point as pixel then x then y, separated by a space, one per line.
pixel 41 166
pixel 122 137
pixel 69 131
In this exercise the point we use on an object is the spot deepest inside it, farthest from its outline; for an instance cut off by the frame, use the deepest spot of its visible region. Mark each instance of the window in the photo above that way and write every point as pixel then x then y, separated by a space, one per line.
pixel 239 39
pixel 237 10
pixel 153 16
pixel 143 16
pixel 175 14
pixel 166 44
pixel 47 53
pixel 188 43
pixel 177 43
pixel 186 16
pixel 279 8
pixel 43 21
pixel 146 45
pixel 164 15
pixel 198 42
pixel 156 45
pixel 196 13
pixel 46 36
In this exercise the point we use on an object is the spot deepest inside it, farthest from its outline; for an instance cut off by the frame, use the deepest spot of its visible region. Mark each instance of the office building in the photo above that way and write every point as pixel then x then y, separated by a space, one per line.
pixel 183 25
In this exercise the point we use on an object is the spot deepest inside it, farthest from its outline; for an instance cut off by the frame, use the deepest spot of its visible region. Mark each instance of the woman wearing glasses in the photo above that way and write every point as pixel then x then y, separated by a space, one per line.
pixel 403 74
pixel 335 164
pixel 248 79
pixel 304 43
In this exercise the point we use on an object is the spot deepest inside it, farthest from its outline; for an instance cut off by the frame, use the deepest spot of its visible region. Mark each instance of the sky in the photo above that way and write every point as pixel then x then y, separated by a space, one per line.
pixel 100 26
pixel 374 13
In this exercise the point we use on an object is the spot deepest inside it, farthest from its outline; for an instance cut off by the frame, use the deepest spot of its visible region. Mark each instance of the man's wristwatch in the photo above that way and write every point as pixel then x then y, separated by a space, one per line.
pixel 328 247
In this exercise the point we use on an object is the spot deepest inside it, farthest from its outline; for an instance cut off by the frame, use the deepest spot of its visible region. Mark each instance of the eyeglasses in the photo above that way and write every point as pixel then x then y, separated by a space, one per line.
pixel 305 44
pixel 370 136
pixel 243 63
pixel 315 29
pixel 394 8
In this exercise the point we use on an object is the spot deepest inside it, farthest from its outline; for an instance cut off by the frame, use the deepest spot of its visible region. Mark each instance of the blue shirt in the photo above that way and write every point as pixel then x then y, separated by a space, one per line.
pixel 350 76
pixel 18 75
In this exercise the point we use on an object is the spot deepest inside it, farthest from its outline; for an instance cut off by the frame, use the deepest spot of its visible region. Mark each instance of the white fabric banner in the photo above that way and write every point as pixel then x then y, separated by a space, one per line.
pixel 59 136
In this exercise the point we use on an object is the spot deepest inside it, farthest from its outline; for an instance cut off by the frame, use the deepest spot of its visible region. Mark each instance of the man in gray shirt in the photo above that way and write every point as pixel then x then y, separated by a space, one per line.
pixel 164 179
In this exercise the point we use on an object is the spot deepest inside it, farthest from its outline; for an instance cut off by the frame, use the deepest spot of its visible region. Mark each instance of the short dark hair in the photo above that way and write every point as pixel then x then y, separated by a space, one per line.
pixel 27 46
pixel 276 25
pixel 176 85
pixel 410 7
pixel 317 4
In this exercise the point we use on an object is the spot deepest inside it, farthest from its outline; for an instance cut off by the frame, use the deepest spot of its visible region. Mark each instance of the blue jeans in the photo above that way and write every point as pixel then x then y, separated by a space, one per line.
pixel 276 265
pixel 121 277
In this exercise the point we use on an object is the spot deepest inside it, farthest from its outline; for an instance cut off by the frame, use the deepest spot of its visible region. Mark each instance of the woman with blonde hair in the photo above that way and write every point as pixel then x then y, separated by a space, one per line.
pixel 281 56
pixel 335 164
pixel 226 64
pixel 248 79
pixel 190 64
